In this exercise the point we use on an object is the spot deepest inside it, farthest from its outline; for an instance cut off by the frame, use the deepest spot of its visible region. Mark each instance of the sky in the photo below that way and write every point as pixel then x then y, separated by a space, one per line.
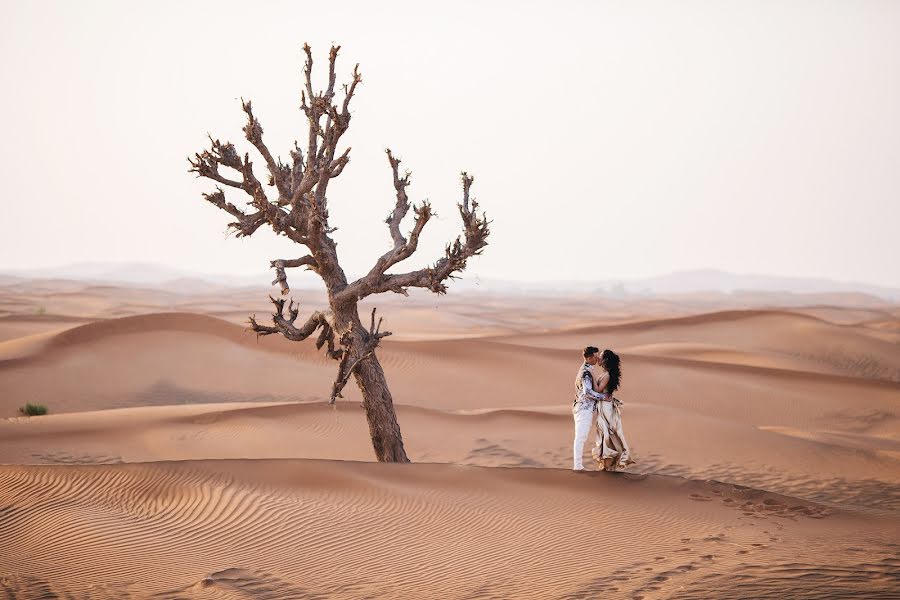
pixel 607 139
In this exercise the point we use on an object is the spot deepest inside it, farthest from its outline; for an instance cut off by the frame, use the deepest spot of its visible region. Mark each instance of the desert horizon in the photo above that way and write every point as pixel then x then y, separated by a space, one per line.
pixel 694 281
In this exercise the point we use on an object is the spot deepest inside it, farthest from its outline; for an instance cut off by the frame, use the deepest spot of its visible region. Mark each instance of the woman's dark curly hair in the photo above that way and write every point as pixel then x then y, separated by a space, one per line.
pixel 613 366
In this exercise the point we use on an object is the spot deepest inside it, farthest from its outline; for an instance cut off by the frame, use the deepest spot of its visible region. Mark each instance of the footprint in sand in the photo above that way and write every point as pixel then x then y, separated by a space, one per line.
pixel 770 504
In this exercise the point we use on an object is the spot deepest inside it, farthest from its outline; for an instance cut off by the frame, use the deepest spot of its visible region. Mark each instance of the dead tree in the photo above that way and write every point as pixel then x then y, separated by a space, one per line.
pixel 299 211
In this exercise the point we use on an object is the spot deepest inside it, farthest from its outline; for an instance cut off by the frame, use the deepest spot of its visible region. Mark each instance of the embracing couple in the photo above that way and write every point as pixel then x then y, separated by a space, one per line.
pixel 595 383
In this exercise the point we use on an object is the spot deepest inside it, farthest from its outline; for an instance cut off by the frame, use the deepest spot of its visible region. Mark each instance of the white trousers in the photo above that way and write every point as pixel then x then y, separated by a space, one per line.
pixel 584 419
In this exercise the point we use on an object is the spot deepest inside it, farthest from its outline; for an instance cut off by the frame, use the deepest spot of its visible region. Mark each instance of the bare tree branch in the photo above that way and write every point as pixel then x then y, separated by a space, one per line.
pixel 475 231
pixel 313 122
pixel 402 206
pixel 300 211
pixel 285 326
pixel 322 163
pixel 403 248
pixel 279 173
pixel 246 224
pixel 280 265
pixel 296 170
pixel 332 76
pixel 349 91
pixel 337 166
pixel 206 164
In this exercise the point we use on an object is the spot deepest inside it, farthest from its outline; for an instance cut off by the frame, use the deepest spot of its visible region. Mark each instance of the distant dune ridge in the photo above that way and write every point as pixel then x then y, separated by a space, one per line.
pixel 679 282
pixel 185 458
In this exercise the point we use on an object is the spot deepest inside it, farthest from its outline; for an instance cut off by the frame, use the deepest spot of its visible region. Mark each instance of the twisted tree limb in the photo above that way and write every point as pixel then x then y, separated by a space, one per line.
pixel 279 173
pixel 207 163
pixel 280 265
pixel 473 241
pixel 300 211
pixel 246 224
pixel 285 326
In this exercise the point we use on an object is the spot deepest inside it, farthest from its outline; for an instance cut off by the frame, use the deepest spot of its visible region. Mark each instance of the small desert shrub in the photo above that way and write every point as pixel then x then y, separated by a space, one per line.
pixel 40 310
pixel 33 409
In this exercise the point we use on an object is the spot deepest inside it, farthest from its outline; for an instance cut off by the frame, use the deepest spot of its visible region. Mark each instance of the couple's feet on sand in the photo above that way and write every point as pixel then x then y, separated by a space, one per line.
pixel 614 461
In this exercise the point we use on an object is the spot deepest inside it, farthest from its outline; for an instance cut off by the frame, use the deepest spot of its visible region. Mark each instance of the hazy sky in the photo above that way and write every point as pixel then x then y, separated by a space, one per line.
pixel 608 139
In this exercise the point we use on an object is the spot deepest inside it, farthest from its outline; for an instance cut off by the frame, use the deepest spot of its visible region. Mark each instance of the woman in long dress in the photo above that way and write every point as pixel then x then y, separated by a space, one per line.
pixel 611 450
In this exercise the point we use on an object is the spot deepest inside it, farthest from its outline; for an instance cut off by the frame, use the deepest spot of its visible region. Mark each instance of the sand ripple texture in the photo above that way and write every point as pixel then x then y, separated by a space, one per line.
pixel 317 529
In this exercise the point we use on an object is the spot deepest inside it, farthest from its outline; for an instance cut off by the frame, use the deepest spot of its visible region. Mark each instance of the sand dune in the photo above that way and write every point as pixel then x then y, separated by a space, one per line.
pixel 769 427
pixel 139 360
pixel 856 470
pixel 185 458
pixel 843 315
pixel 422 315
pixel 17 327
pixel 180 358
pixel 150 359
pixel 290 529
pixel 795 341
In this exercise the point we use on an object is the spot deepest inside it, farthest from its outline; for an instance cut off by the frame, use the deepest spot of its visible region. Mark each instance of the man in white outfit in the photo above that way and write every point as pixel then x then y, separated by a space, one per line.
pixel 585 406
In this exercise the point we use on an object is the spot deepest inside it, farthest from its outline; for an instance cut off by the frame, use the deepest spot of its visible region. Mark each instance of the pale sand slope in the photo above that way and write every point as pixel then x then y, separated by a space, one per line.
pixel 856 472
pixel 778 339
pixel 422 315
pixel 12 328
pixel 135 360
pixel 819 436
pixel 763 398
pixel 316 529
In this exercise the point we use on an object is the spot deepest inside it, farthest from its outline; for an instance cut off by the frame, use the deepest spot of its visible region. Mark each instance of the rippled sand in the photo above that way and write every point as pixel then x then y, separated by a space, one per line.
pixel 184 458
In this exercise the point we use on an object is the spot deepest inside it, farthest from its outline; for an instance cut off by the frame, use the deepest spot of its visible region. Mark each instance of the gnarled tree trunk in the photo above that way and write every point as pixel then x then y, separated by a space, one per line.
pixel 377 401
pixel 383 427
pixel 300 212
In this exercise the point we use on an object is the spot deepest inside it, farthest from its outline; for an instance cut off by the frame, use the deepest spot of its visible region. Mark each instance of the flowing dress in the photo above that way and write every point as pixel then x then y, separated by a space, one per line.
pixel 611 449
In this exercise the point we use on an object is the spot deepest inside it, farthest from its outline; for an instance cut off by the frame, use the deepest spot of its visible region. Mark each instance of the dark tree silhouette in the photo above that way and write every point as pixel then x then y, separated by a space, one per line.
pixel 300 212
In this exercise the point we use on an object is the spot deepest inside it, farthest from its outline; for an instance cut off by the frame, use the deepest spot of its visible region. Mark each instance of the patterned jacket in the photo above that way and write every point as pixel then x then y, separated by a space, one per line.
pixel 585 396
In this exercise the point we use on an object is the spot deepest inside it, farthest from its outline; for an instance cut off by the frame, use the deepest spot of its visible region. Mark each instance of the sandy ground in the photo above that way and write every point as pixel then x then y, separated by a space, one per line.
pixel 185 458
